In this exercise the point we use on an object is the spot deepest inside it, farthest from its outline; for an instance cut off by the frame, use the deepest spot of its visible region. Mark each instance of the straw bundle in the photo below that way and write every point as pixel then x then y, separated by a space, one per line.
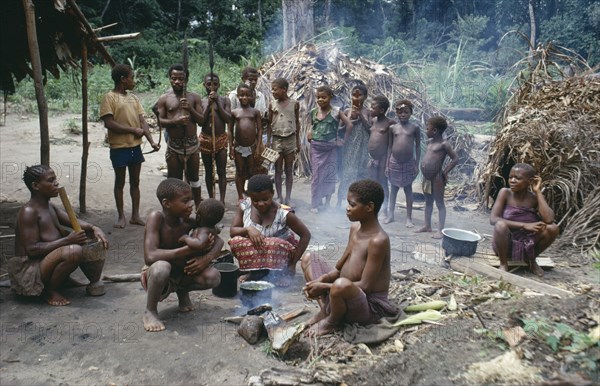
pixel 554 125
pixel 308 66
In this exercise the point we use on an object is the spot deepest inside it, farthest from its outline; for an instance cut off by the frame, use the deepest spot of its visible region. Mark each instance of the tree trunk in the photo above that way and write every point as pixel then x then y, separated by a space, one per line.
pixel 36 67
pixel 260 21
pixel 327 14
pixel 178 15
pixel 532 27
pixel 84 128
pixel 297 21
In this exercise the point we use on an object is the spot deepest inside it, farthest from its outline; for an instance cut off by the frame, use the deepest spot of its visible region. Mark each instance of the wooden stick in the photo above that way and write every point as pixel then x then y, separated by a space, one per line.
pixel 294 313
pixel 67 204
pixel 470 266
pixel 113 38
pixel 122 278
pixel 105 27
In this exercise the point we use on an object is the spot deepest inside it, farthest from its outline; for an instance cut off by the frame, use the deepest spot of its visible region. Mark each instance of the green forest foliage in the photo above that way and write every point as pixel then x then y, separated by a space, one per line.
pixel 462 52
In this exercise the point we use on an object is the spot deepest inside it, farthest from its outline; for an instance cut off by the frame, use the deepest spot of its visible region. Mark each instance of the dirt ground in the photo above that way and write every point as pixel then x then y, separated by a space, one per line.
pixel 102 341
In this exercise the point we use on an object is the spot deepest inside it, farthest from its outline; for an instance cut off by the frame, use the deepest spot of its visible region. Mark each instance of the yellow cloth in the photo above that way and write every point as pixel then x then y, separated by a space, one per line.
pixel 126 110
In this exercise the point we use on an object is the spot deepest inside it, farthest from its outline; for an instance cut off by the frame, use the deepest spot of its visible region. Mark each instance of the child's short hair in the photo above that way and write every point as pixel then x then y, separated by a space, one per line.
pixel 243 86
pixel 404 103
pixel 438 123
pixel 259 183
pixel 178 67
pixel 167 189
pixel 382 102
pixel 210 212
pixel 362 88
pixel 211 74
pixel 247 71
pixel 34 174
pixel 325 89
pixel 526 168
pixel 281 83
pixel 118 71
pixel 368 191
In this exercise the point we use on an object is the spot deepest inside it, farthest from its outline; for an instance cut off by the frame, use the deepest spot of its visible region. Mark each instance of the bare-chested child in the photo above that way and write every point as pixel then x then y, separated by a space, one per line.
pixel 46 252
pixel 403 159
pixel 435 176
pixel 174 261
pixel 379 143
pixel 213 145
pixel 522 219
pixel 356 290
pixel 180 114
pixel 245 133
pixel 283 135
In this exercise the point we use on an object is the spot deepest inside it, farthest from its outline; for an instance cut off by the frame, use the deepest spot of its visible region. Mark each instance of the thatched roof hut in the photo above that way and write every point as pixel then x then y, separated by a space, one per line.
pixel 308 66
pixel 553 124
pixel 62 30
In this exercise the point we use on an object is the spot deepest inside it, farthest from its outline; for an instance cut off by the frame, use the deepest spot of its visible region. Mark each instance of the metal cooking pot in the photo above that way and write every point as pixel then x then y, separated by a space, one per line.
pixel 459 242
pixel 255 293
pixel 229 280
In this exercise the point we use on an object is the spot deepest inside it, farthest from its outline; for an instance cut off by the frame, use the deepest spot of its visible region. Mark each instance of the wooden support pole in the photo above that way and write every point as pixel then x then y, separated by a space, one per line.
pixel 84 127
pixel 90 31
pixel 470 266
pixel 36 67
pixel 113 38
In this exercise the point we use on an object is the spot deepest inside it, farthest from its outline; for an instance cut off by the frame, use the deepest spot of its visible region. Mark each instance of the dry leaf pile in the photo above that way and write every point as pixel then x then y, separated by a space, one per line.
pixel 554 125
pixel 308 66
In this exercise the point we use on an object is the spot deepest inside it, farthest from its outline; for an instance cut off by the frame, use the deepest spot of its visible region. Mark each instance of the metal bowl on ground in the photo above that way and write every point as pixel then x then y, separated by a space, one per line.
pixel 255 293
pixel 459 242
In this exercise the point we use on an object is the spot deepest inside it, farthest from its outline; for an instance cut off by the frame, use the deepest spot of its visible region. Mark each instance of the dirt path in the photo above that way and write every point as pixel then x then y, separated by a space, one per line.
pixel 101 340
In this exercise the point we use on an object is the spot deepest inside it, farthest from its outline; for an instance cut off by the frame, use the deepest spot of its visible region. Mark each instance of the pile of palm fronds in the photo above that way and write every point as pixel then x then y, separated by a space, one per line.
pixel 583 229
pixel 308 66
pixel 553 123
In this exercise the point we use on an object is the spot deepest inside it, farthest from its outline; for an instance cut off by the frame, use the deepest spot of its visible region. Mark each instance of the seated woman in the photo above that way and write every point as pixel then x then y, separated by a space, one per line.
pixel 264 234
pixel 522 220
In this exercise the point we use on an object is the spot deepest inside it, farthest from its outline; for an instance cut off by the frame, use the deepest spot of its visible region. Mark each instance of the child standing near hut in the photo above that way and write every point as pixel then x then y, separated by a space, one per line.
pixel 217 113
pixel 283 135
pixel 355 151
pixel 404 156
pixel 245 131
pixel 123 116
pixel 435 176
pixel 324 141
pixel 379 143
pixel 522 219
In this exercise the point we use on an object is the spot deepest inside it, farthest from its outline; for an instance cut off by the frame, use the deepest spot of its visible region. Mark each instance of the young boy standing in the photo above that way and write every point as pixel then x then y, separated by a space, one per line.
pixel 404 156
pixel 174 262
pixel 123 116
pixel 217 114
pixel 258 100
pixel 180 114
pixel 283 135
pixel 435 176
pixel 245 131
pixel 522 219
pixel 356 290
pixel 379 144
